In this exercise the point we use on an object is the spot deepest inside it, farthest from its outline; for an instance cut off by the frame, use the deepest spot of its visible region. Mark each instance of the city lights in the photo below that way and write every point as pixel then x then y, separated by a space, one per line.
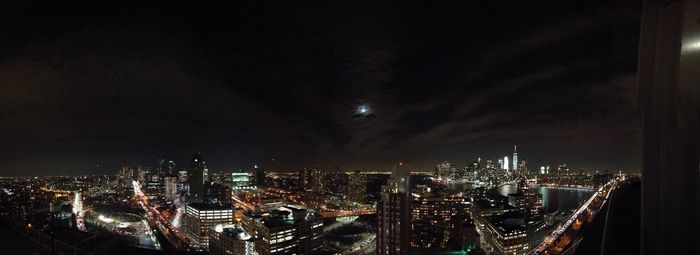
pixel 350 127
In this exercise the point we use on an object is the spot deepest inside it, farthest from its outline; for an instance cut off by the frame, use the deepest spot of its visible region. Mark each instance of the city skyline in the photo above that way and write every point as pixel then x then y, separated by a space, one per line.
pixel 531 167
pixel 360 88
pixel 350 127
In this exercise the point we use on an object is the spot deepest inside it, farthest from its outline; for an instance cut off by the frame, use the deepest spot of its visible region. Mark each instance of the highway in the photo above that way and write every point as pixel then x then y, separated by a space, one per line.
pixel 322 206
pixel 558 241
pixel 176 237
pixel 78 211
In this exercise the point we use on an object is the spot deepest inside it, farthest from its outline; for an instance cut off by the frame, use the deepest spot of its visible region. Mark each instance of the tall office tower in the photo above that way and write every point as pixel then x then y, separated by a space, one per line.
pixel 125 176
pixel 317 184
pixel 216 177
pixel 260 176
pixel 230 240
pixel 443 171
pixel 515 158
pixel 286 230
pixel 182 175
pixel 336 181
pixel 393 213
pixel 171 191
pixel 217 193
pixel 562 169
pixel 357 187
pixel 196 178
pixel 436 217
pixel 199 217
pixel 456 175
pixel 160 168
pixel 505 163
pixel 669 94
pixel 141 175
pixel 242 180
pixel 473 173
pixel 304 179
pixel 170 168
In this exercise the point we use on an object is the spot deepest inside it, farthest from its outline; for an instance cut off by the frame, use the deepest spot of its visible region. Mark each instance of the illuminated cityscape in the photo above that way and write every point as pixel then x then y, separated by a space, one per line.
pixel 415 212
pixel 350 128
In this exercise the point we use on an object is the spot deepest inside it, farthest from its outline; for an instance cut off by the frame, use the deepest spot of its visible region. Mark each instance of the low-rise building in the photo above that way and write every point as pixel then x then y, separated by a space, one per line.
pixel 230 240
pixel 285 230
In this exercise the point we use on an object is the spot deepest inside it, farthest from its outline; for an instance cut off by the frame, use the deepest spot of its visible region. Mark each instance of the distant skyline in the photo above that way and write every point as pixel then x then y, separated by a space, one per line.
pixel 361 87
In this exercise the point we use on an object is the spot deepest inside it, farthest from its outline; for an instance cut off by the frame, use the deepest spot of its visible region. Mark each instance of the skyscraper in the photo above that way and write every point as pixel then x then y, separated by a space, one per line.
pixel 336 181
pixel 505 163
pixel 515 158
pixel 160 168
pixel 317 184
pixel 199 217
pixel 304 179
pixel 259 175
pixel 393 213
pixel 170 186
pixel 217 193
pixel 196 178
pixel 443 171
pixel 357 187
pixel 170 168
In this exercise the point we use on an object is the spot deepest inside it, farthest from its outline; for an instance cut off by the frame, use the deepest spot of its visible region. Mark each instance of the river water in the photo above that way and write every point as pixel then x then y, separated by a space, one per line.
pixel 552 198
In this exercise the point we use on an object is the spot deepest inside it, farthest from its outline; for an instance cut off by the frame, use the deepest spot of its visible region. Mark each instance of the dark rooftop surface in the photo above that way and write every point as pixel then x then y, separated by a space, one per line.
pixel 16 244
pixel 70 236
pixel 203 206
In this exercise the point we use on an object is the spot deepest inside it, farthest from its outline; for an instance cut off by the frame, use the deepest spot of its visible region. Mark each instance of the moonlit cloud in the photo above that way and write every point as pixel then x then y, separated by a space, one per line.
pixel 247 82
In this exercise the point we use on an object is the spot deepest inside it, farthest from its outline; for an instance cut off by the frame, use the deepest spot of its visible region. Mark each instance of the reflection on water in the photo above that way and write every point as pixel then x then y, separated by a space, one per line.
pixel 553 199
pixel 461 186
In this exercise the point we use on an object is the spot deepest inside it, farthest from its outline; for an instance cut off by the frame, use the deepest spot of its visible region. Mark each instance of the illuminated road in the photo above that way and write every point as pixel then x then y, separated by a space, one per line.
pixel 558 240
pixel 171 233
pixel 322 206
pixel 365 246
pixel 78 211
pixel 344 213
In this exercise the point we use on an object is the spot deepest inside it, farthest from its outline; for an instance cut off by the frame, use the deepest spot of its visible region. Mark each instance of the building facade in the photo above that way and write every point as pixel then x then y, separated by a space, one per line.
pixel 393 213
pixel 196 179
pixel 286 230
pixel 230 240
pixel 199 217
pixel 357 187
pixel 436 218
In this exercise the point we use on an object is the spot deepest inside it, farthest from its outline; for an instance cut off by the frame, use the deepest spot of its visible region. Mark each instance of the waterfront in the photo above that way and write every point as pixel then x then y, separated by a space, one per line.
pixel 553 198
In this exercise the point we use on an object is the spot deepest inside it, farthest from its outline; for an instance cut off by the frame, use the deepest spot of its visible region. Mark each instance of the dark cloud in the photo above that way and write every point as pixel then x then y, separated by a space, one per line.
pixel 85 83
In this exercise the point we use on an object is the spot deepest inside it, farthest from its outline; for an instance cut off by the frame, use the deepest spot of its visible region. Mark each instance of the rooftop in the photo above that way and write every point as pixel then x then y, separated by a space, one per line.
pixel 203 206
pixel 235 231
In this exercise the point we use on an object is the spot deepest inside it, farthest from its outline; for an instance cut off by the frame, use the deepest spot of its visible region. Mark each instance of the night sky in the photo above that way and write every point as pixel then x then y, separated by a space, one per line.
pixel 85 84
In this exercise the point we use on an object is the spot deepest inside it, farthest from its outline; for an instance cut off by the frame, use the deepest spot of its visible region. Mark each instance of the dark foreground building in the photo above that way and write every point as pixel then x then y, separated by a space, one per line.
pixel 669 94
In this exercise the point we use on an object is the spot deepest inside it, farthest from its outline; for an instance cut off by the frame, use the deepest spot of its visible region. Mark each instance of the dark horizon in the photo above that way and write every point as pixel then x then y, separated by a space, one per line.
pixel 243 83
